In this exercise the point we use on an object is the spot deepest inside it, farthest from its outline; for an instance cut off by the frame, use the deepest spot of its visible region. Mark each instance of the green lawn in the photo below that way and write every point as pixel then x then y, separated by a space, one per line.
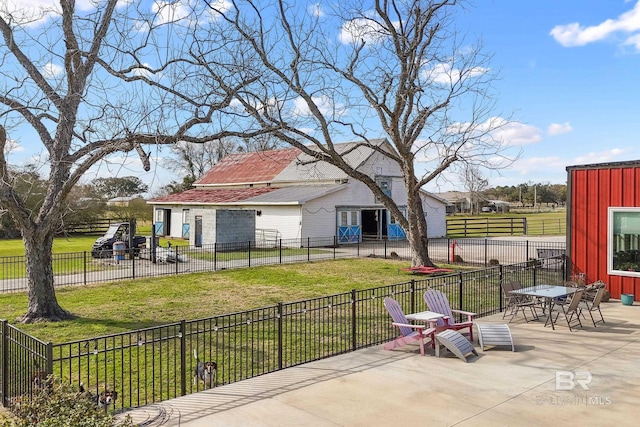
pixel 127 305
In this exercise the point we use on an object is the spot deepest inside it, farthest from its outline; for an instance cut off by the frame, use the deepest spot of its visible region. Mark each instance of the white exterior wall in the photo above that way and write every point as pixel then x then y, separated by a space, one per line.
pixel 436 213
pixel 285 219
pixel 319 215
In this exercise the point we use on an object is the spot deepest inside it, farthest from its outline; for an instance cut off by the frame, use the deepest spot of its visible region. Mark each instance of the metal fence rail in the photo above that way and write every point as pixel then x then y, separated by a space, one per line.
pixel 80 268
pixel 155 364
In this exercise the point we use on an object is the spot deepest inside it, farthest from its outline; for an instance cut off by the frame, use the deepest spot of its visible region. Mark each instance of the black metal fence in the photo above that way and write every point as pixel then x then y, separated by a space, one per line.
pixel 80 268
pixel 155 364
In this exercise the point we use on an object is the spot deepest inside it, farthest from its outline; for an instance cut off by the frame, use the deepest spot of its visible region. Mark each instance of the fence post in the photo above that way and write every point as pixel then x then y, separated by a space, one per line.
pixel 249 253
pixel 385 248
pixel 527 251
pixel 308 248
pixel 335 244
pixel 354 328
pixel 4 369
pixel 413 295
pixel 84 272
pixel 280 315
pixel 500 296
pixel 183 358
pixel 177 262
pixel 460 287
pixel 215 256
pixel 280 250
pixel 133 262
pixel 486 251
pixel 358 247
pixel 49 356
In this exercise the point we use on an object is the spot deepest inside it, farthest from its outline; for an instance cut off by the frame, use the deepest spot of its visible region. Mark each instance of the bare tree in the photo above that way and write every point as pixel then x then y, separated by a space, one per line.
pixel 366 68
pixel 475 183
pixel 91 81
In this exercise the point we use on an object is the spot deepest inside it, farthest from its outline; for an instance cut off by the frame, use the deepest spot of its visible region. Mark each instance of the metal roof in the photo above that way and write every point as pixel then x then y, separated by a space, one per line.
pixel 285 166
pixel 295 195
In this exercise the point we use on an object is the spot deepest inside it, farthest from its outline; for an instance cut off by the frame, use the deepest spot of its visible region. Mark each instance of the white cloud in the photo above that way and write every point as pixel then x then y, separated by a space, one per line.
pixel 51 71
pixel 500 130
pixel 316 10
pixel 34 12
pixel 575 34
pixel 517 134
pixel 559 128
pixel 599 157
pixel 170 11
pixel 446 74
pixel 325 104
pixel 361 29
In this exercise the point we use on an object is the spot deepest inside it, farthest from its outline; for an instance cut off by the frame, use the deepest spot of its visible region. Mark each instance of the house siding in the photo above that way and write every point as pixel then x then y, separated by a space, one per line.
pixel 285 219
pixel 592 190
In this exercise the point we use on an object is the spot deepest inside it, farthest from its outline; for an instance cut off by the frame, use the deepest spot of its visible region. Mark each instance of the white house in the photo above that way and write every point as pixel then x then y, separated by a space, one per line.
pixel 293 196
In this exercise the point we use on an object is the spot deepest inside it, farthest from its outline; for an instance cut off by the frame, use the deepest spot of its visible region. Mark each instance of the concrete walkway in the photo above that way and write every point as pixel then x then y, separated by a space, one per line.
pixel 589 377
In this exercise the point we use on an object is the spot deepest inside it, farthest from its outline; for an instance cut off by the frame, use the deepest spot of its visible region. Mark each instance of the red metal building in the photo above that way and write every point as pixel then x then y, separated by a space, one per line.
pixel 603 224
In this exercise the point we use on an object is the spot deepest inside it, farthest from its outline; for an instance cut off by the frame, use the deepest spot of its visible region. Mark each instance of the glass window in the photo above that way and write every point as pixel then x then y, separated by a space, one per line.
pixel 624 241
pixel 384 184
pixel 186 216
pixel 159 215
pixel 343 218
pixel 354 217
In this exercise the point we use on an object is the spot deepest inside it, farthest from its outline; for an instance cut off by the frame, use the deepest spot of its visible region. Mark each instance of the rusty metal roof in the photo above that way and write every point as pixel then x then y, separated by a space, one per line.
pixel 222 195
pixel 254 167
pixel 295 195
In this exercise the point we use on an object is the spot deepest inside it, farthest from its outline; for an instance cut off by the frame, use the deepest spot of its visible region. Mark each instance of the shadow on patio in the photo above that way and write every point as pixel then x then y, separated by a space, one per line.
pixel 586 377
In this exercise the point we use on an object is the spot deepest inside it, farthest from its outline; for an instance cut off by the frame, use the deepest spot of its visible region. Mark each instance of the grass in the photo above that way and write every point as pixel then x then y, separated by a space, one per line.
pixel 538 224
pixel 132 304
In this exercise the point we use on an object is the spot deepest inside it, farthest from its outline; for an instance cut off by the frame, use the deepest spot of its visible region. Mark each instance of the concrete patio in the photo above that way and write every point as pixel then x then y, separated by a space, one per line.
pixel 589 377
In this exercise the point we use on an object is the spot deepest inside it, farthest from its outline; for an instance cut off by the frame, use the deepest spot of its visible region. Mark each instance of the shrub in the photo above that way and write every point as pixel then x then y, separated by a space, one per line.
pixel 57 404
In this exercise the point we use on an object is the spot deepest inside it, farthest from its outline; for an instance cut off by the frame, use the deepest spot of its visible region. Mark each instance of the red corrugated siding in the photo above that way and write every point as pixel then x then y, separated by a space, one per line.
pixel 593 191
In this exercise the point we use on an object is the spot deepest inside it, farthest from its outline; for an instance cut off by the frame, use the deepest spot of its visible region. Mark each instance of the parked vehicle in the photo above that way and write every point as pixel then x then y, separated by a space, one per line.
pixel 119 232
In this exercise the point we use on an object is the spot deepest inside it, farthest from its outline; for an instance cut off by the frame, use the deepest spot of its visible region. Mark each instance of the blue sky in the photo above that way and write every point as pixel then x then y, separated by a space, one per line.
pixel 568 74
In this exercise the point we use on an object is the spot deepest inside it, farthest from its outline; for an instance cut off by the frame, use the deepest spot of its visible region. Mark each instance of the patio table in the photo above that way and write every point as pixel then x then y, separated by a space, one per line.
pixel 430 317
pixel 548 293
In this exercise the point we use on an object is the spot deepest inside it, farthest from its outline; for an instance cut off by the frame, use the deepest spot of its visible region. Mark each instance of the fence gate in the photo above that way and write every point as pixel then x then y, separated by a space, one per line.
pixel 22 359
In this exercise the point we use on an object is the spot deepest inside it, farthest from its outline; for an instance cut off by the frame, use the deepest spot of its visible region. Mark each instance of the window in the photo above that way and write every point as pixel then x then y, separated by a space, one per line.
pixel 159 215
pixel 624 242
pixel 186 216
pixel 385 185
pixel 347 218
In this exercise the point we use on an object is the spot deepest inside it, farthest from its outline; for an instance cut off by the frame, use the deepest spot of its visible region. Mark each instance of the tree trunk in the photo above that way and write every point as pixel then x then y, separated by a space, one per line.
pixel 43 304
pixel 417 233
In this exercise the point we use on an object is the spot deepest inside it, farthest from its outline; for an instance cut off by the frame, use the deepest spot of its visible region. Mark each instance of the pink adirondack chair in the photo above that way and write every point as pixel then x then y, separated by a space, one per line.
pixel 408 333
pixel 438 302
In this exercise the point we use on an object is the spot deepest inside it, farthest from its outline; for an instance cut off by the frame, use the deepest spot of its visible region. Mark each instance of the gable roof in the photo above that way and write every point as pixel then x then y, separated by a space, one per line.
pixel 296 195
pixel 288 165
pixel 195 196
pixel 253 167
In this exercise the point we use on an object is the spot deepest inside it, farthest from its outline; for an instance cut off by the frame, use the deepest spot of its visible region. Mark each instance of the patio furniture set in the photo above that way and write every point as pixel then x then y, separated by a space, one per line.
pixel 438 326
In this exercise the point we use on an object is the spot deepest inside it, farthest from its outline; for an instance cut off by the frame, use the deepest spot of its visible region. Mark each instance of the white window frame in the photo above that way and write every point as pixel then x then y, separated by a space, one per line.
pixel 348 218
pixel 186 216
pixel 612 211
